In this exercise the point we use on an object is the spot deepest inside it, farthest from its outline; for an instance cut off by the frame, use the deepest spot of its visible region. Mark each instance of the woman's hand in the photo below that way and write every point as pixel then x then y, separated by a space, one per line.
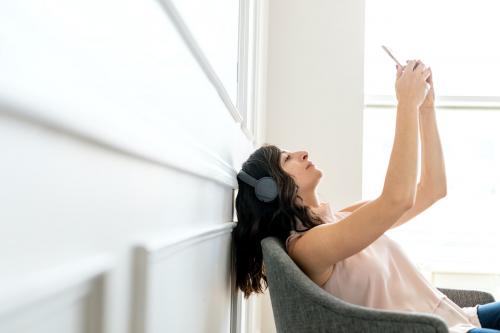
pixel 411 85
pixel 428 103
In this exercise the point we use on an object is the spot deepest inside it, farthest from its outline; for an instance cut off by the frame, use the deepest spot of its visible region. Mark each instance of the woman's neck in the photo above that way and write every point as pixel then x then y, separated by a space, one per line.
pixel 310 200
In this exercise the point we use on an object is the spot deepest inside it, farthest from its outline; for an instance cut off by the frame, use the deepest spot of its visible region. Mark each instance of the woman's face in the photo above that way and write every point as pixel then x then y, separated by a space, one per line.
pixel 298 166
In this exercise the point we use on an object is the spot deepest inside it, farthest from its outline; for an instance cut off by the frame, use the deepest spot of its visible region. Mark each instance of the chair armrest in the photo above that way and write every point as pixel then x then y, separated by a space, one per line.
pixel 467 297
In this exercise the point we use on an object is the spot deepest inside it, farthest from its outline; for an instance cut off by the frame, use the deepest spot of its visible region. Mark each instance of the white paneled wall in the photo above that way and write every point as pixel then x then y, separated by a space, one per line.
pixel 67 298
pixel 162 264
pixel 120 138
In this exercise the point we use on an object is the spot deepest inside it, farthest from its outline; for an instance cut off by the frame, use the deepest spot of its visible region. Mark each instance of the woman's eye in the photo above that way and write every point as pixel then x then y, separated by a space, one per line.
pixel 286 159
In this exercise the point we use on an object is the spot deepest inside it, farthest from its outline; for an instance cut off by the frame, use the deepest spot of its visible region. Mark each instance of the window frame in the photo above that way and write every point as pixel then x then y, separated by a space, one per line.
pixel 250 64
pixel 441 102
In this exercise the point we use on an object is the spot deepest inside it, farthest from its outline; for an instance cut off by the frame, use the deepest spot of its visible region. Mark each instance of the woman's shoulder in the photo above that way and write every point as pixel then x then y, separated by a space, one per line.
pixel 325 210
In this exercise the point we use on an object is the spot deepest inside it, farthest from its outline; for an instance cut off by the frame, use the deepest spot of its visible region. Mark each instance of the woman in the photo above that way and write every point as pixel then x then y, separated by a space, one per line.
pixel 347 252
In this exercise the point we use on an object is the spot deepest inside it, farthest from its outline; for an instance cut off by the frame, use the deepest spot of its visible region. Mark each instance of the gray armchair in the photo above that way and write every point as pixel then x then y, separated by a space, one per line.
pixel 299 305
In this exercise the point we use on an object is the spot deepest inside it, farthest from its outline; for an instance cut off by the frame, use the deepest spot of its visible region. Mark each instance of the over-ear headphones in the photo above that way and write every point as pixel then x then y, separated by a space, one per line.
pixel 266 189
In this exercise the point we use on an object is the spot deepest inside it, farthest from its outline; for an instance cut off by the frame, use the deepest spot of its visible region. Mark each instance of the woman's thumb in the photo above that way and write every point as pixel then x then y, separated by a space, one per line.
pixel 399 71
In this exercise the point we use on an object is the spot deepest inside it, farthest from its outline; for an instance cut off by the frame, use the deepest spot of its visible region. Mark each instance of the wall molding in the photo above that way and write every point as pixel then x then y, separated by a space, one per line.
pixel 36 296
pixel 152 250
pixel 133 136
pixel 200 57
pixel 158 249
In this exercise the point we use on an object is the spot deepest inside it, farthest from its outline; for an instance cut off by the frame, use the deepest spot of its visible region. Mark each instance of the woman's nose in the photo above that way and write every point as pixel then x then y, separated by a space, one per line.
pixel 304 155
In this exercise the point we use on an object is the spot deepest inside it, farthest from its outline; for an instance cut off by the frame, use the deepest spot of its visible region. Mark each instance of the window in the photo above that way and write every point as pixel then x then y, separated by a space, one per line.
pixel 456 40
pixel 249 69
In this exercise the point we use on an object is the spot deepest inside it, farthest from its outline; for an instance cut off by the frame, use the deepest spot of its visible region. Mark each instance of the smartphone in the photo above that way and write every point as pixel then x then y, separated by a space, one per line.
pixel 386 49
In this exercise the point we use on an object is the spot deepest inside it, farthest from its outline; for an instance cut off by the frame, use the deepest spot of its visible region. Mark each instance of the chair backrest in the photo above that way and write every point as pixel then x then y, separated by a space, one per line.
pixel 297 302
pixel 299 305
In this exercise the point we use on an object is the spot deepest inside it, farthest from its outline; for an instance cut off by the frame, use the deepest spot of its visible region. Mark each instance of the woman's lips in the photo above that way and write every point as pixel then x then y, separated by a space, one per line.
pixel 308 165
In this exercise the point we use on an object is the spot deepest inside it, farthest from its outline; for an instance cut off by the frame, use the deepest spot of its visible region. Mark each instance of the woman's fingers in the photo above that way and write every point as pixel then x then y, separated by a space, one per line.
pixel 429 79
pixel 420 66
pixel 410 65
pixel 399 71
pixel 426 73
pixel 416 63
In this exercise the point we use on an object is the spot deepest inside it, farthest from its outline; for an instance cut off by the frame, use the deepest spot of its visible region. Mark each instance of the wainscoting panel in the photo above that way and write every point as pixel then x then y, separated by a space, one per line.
pixel 68 298
pixel 168 291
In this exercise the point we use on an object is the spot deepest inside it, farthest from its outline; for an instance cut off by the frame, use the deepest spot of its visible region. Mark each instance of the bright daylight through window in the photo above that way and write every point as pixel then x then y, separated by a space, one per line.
pixel 458 40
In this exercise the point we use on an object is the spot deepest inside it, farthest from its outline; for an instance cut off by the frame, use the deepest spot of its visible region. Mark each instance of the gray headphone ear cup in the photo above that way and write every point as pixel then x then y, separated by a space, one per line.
pixel 266 189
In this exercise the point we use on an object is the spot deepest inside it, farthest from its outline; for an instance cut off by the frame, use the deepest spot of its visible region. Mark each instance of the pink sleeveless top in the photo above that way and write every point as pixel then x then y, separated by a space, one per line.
pixel 381 276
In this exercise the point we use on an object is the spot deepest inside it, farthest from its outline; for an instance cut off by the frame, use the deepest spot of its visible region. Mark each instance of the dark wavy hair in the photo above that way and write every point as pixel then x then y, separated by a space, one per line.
pixel 257 220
